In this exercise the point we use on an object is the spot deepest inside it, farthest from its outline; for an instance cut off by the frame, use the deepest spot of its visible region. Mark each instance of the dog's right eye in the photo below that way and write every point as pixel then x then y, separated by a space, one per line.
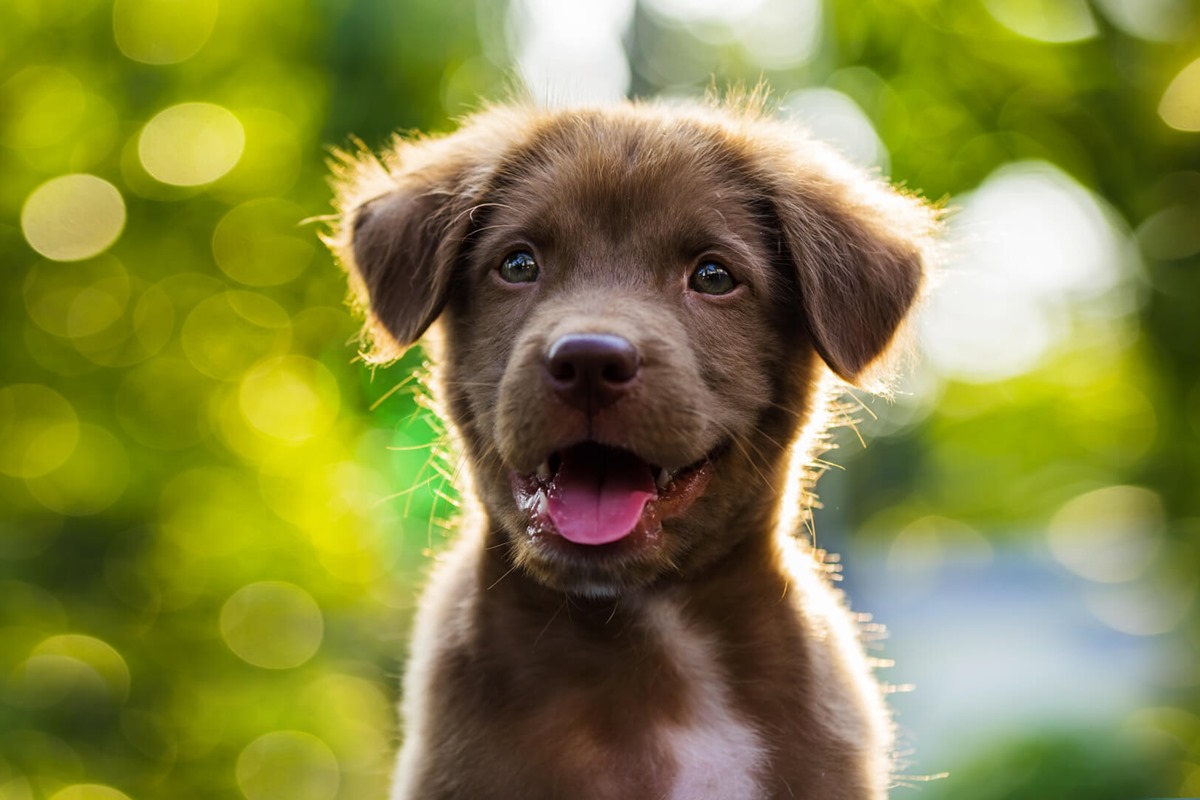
pixel 519 267
pixel 711 278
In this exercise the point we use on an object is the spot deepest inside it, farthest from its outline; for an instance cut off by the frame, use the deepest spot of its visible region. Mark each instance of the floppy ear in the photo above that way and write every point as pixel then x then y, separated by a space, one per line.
pixel 860 250
pixel 402 250
pixel 403 220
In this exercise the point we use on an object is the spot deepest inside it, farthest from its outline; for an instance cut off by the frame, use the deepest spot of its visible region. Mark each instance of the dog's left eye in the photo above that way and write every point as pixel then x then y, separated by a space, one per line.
pixel 711 278
pixel 519 267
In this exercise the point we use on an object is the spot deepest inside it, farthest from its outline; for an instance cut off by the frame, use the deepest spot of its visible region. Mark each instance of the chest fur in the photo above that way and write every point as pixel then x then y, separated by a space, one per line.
pixel 715 753
pixel 664 726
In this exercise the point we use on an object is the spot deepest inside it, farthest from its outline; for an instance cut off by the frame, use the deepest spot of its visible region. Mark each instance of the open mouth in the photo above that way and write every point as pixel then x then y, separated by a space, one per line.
pixel 592 494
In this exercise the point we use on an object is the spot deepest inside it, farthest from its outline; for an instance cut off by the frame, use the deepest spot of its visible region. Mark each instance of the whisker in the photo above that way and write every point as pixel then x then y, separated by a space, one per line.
pixel 502 577
pixel 549 622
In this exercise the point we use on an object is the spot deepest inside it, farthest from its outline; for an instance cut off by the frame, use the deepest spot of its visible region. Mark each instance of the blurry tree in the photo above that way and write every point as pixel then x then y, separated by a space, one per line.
pixel 208 539
pixel 205 565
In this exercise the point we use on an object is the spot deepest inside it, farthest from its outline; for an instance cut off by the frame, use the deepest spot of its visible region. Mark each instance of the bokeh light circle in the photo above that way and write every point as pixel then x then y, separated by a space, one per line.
pixel 272 624
pixel 38 430
pixel 1109 535
pixel 71 665
pixel 90 480
pixel 43 105
pixel 355 718
pixel 73 217
pixel 89 791
pixel 258 244
pixel 1056 22
pixel 270 164
pixel 157 403
pixel 227 333
pixel 292 398
pixel 191 144
pixel 288 764
pixel 162 31
pixel 1180 104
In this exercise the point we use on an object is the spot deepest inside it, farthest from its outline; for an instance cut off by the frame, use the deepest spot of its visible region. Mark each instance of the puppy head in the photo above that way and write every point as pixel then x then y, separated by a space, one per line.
pixel 637 305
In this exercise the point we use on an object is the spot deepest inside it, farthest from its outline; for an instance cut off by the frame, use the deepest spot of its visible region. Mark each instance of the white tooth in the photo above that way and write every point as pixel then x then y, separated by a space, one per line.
pixel 540 504
pixel 663 478
pixel 543 470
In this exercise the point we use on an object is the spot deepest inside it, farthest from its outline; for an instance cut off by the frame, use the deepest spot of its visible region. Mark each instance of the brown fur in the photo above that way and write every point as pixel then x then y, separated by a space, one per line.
pixel 540 673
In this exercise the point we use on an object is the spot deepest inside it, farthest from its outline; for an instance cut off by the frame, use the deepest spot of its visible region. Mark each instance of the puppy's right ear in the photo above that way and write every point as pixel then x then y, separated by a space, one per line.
pixel 404 217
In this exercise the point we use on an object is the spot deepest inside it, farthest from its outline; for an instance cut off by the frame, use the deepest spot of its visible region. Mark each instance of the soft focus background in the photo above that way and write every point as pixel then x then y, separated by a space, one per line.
pixel 214 519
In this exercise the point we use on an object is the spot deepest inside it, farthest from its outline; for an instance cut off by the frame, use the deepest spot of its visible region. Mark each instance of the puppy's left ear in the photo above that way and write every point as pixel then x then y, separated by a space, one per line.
pixel 403 221
pixel 861 250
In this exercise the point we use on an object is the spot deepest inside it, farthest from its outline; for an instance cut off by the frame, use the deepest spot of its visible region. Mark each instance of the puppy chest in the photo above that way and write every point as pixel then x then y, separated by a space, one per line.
pixel 656 721
pixel 715 751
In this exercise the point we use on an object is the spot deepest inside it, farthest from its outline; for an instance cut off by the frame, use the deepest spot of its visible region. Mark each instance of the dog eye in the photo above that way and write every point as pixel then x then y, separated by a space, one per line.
pixel 519 267
pixel 711 278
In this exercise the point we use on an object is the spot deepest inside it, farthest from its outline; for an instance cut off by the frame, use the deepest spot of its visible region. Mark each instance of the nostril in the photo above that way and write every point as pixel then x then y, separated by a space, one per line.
pixel 621 371
pixel 561 369
pixel 592 370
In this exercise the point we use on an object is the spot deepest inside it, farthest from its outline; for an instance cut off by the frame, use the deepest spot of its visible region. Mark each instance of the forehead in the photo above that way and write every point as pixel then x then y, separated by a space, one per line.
pixel 652 183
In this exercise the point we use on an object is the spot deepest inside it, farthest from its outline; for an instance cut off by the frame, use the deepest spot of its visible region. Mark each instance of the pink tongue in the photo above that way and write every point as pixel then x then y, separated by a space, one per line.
pixel 598 495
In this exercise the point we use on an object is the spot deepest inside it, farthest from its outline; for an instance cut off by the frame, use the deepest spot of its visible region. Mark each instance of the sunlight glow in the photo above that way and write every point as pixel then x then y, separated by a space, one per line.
pixel 571 51
pixel 774 34
pixel 292 398
pixel 834 118
pixel 720 11
pixel 1033 247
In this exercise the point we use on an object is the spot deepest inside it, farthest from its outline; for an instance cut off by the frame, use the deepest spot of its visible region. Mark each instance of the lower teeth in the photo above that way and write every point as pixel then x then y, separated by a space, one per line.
pixel 663 478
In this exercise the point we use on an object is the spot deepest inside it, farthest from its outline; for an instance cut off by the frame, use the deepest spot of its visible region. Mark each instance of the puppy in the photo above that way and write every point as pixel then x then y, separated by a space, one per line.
pixel 638 310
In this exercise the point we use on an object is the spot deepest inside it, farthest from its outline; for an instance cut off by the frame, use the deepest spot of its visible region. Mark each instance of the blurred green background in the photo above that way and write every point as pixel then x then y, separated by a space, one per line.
pixel 213 518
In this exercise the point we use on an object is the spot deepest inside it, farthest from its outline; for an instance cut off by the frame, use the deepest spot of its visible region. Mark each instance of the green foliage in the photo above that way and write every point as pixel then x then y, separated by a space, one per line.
pixel 1056 766
pixel 214 519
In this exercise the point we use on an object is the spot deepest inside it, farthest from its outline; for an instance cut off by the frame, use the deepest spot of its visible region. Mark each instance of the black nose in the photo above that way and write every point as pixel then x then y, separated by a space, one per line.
pixel 591 370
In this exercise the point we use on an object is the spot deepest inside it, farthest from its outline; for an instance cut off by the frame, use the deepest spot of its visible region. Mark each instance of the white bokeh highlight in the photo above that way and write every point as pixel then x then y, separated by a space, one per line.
pixel 835 119
pixel 1030 246
pixel 570 52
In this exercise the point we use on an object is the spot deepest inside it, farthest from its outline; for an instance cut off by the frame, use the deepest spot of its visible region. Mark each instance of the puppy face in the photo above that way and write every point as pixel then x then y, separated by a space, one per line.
pixel 635 305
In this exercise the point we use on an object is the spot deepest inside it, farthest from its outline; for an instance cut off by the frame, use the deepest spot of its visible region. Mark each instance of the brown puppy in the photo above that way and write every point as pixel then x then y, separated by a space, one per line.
pixel 638 310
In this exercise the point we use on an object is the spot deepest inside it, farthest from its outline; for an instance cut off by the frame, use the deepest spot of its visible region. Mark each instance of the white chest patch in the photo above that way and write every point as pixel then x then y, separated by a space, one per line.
pixel 717 755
